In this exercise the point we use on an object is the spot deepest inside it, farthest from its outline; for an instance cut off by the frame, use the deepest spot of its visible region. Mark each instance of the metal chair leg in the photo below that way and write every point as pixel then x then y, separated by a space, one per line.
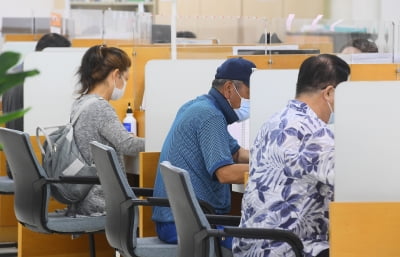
pixel 92 246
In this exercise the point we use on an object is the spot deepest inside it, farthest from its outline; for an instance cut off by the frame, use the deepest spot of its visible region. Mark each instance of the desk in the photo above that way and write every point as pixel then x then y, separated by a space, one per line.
pixel 364 229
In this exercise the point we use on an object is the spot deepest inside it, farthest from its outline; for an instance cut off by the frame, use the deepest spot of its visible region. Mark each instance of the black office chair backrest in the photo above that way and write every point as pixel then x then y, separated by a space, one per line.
pixel 31 192
pixel 188 215
pixel 121 218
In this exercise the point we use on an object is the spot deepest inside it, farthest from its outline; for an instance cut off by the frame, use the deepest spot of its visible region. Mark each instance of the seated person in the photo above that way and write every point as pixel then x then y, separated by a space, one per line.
pixel 291 174
pixel 200 143
pixel 13 99
pixel 103 75
pixel 185 34
pixel 360 45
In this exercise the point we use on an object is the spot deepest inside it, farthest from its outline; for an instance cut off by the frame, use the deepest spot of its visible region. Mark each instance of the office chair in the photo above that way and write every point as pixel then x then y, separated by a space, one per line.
pixel 32 193
pixel 196 237
pixel 6 185
pixel 7 188
pixel 122 209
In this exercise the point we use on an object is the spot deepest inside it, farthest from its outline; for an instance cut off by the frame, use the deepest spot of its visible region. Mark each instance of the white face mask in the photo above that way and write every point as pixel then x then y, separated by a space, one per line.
pixel 332 115
pixel 243 112
pixel 118 92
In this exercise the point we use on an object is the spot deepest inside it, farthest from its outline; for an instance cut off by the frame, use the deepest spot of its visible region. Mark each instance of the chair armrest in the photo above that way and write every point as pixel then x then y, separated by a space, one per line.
pixel 142 191
pixel 161 201
pixel 158 201
pixel 206 207
pixel 270 234
pixel 225 220
pixel 75 180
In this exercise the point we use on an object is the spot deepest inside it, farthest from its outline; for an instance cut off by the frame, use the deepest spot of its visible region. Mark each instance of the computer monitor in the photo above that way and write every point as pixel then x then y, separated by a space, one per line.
pixel 13 25
pixel 31 25
pixel 276 51
pixel 160 33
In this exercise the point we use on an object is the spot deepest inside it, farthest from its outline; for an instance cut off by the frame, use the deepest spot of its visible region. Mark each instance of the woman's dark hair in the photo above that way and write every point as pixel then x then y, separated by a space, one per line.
pixel 98 62
pixel 52 40
pixel 318 72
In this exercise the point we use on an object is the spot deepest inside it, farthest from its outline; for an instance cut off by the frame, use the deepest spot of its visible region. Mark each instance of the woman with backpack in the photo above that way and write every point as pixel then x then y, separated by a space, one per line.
pixel 102 75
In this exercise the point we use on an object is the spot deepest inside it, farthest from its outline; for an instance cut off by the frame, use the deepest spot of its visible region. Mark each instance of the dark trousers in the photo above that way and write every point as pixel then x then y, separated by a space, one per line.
pixel 324 253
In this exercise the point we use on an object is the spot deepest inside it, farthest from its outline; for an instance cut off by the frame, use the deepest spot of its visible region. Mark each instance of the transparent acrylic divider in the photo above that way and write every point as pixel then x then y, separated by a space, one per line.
pixel 86 23
pixel 322 35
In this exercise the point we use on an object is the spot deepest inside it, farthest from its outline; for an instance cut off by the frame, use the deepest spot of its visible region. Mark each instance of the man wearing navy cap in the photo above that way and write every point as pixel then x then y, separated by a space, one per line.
pixel 200 143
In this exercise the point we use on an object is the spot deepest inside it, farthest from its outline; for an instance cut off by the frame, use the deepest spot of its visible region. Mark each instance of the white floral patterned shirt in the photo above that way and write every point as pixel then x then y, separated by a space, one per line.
pixel 290 182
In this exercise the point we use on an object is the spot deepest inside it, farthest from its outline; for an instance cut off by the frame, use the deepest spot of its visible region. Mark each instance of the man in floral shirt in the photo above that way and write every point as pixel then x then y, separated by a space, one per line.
pixel 292 165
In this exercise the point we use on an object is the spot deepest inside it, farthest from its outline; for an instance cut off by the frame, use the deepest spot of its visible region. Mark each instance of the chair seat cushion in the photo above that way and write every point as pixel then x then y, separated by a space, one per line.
pixel 152 246
pixel 6 185
pixel 60 223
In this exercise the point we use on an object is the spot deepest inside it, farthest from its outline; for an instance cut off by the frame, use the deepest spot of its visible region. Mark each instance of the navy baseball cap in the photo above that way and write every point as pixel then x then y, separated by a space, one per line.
pixel 236 69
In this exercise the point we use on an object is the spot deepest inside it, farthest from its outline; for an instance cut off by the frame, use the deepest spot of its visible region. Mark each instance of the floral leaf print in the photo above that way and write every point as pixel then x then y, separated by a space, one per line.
pixel 260 218
pixel 261 197
pixel 289 181
pixel 287 171
pixel 289 223
pixel 291 131
pixel 329 132
pixel 310 154
pixel 286 192
pixel 320 132
pixel 300 135
pixel 285 206
pixel 279 134
pixel 281 139
pixel 249 212
pixel 313 148
pixel 283 124
pixel 307 165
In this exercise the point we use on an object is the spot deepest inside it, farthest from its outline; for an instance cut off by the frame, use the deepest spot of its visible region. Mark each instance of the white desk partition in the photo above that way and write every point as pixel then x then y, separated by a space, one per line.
pixel 169 84
pixel 270 92
pixel 51 93
pixel 367 138
pixel 23 48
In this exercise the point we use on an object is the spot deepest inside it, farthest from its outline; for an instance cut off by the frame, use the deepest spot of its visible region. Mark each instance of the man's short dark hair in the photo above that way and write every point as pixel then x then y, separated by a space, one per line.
pixel 52 40
pixel 318 72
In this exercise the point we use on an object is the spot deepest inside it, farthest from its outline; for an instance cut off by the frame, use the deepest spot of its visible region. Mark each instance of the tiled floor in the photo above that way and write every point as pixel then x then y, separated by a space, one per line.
pixel 8 249
pixel 8 252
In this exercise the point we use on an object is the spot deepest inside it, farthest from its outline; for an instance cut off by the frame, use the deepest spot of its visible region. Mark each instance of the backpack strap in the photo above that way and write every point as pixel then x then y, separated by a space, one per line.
pixel 41 130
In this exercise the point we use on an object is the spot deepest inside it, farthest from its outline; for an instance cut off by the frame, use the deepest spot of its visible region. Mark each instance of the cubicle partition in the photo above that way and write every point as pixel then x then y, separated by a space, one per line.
pixel 51 93
pixel 365 217
pixel 169 84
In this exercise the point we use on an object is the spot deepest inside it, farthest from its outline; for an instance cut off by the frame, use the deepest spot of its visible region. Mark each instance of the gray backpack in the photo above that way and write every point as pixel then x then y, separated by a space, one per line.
pixel 61 157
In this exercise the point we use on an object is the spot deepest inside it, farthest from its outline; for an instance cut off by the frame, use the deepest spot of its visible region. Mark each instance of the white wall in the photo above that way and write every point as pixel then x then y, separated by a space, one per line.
pixel 365 9
pixel 26 8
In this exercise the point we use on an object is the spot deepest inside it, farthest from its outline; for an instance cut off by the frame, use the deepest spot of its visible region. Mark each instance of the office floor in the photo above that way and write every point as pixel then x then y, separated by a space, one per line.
pixel 8 252
pixel 8 249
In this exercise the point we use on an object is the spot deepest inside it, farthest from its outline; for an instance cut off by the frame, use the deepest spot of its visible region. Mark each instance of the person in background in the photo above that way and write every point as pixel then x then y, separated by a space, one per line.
pixel 292 163
pixel 360 45
pixel 13 99
pixel 200 143
pixel 185 34
pixel 103 74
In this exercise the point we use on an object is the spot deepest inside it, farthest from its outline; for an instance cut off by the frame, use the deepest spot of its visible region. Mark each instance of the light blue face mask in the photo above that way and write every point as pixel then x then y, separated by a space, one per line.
pixel 243 112
pixel 332 115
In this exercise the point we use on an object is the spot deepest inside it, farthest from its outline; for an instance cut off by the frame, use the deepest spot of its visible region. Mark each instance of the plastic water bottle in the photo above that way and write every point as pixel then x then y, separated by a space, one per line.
pixel 130 121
